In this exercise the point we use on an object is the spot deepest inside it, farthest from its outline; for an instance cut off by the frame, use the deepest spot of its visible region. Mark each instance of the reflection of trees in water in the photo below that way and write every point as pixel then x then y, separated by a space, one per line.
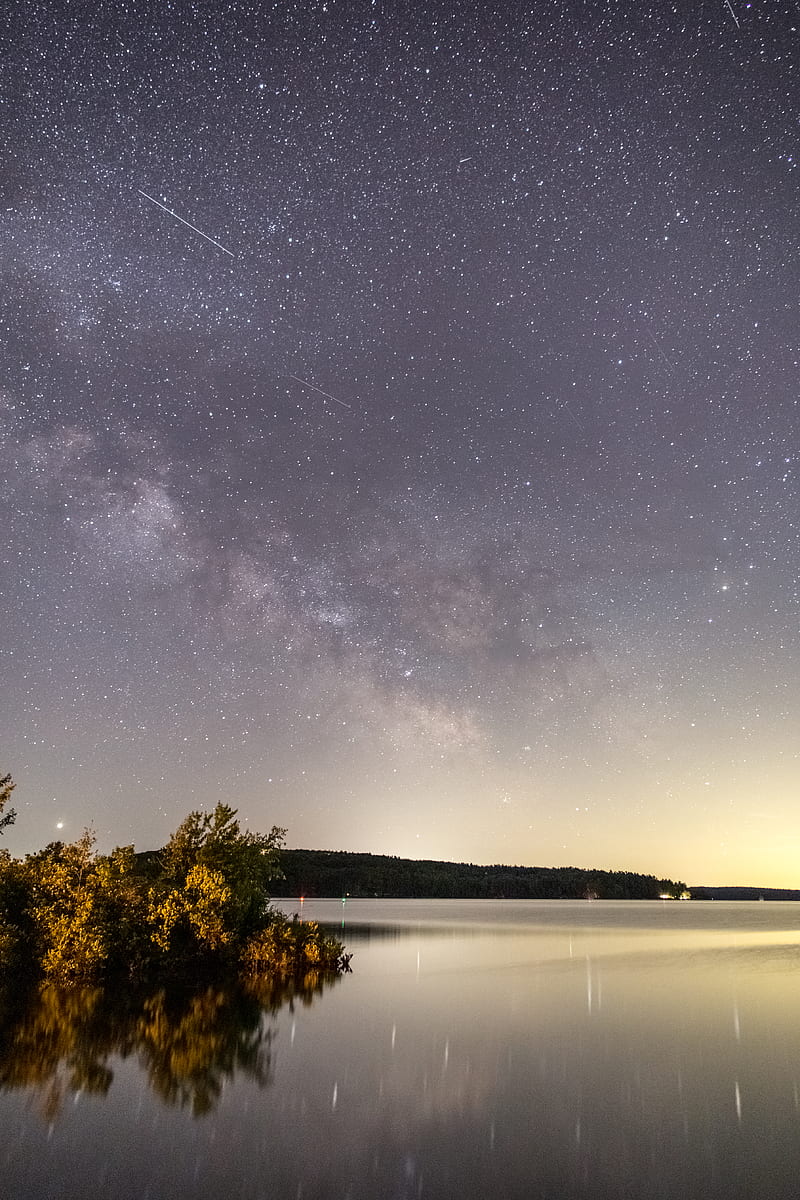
pixel 62 1042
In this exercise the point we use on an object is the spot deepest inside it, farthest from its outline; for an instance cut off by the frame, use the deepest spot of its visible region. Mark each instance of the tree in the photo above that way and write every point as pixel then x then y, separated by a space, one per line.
pixel 73 940
pixel 73 916
pixel 236 867
pixel 6 788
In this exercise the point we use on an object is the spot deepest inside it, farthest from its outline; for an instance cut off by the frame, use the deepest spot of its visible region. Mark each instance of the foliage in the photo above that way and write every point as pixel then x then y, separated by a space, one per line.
pixel 213 885
pixel 201 905
pixel 6 788
pixel 290 946
pixel 66 908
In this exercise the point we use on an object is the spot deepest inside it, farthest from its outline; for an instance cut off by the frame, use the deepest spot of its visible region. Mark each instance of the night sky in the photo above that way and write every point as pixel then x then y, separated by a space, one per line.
pixel 399 427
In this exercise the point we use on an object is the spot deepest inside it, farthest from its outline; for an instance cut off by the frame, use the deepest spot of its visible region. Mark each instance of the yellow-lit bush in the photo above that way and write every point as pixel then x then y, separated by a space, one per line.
pixel 73 916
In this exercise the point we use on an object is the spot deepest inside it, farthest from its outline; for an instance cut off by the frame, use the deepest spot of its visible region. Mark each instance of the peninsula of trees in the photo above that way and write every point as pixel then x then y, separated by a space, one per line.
pixel 340 873
pixel 199 905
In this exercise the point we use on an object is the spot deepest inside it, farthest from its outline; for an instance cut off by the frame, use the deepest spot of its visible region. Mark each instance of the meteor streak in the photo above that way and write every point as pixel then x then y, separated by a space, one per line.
pixel 738 26
pixel 314 388
pixel 188 224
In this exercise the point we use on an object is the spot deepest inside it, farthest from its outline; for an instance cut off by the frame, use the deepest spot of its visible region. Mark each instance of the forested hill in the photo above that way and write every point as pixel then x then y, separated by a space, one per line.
pixel 744 893
pixel 341 873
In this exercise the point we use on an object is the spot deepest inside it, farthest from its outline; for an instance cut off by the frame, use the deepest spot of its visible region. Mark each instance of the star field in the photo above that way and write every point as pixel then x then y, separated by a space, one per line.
pixel 399 428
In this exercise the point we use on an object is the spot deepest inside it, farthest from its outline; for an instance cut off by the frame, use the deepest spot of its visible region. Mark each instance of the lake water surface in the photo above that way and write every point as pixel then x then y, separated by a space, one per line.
pixel 479 1049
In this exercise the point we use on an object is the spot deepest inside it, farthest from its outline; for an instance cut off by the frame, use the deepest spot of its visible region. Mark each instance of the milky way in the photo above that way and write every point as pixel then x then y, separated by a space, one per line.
pixel 428 486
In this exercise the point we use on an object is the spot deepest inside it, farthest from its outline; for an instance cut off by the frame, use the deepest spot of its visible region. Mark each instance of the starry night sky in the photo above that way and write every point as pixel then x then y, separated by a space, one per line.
pixel 444 503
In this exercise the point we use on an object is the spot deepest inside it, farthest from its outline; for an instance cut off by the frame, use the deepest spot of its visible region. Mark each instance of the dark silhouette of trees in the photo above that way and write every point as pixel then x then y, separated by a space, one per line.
pixel 341 873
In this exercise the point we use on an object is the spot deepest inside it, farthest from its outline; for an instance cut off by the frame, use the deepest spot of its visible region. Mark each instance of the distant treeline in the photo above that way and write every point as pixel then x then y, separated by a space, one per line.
pixel 342 873
pixel 744 893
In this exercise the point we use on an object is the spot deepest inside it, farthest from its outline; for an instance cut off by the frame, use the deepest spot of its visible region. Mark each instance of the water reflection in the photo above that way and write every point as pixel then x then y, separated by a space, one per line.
pixel 188 1042
pixel 602 915
pixel 523 1052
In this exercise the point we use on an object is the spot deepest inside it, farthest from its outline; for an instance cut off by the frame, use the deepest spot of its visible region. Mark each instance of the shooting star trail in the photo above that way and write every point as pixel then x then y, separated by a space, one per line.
pixel 658 346
pixel 314 388
pixel 188 224
pixel 733 14
pixel 572 414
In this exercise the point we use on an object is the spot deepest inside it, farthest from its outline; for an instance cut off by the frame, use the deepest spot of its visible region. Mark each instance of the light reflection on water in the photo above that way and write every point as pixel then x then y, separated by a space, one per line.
pixel 521 1049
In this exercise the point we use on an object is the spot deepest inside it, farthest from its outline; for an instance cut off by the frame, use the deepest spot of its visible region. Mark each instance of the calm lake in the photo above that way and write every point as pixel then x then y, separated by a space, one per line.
pixel 495 1049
